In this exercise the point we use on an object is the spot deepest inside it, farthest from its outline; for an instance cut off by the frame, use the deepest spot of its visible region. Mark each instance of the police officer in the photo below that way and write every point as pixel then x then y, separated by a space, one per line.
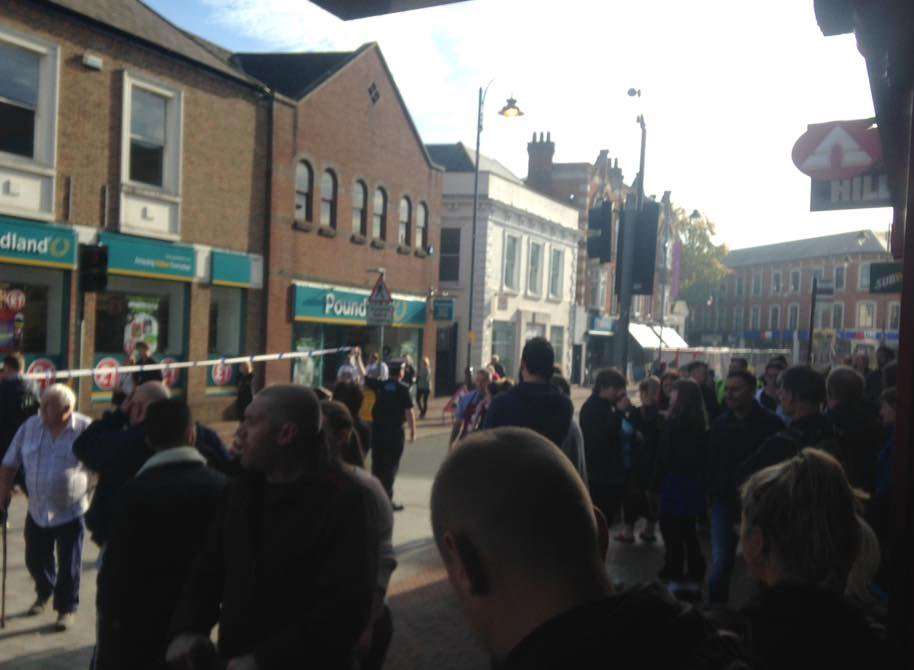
pixel 393 406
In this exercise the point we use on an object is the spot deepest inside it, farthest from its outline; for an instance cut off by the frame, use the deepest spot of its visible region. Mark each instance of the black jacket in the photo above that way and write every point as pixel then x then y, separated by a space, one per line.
pixel 648 423
pixel 115 451
pixel 794 626
pixel 293 568
pixel 159 528
pixel 731 442
pixel 601 425
pixel 18 401
pixel 710 398
pixel 814 430
pixel 859 438
pixel 540 407
pixel 643 627
pixel 683 452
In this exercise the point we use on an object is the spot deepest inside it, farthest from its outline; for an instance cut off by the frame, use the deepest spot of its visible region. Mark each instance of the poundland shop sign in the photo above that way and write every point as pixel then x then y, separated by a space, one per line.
pixel 329 304
pixel 41 244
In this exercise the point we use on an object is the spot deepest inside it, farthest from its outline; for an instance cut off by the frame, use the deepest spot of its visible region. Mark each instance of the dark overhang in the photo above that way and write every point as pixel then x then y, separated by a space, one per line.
pixel 360 9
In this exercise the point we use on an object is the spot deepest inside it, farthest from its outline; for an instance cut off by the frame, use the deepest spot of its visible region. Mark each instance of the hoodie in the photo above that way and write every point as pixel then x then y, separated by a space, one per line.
pixel 540 407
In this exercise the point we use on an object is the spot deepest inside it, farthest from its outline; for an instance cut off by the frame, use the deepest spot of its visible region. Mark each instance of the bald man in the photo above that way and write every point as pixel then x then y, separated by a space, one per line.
pixel 528 567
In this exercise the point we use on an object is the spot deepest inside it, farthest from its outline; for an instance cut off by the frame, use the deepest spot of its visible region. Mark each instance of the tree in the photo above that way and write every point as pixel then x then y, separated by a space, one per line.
pixel 701 265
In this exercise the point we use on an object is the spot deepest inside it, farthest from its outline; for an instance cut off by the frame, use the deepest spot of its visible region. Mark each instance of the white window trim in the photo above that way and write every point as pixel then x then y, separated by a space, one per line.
pixel 812 273
pixel 761 284
pixel 557 296
pixel 843 316
pixel 888 315
pixel 535 291
pixel 779 275
pixel 799 288
pixel 875 305
pixel 738 323
pixel 518 248
pixel 790 307
pixel 834 277
pixel 771 309
pixel 755 315
pixel 44 161
pixel 170 191
pixel 860 286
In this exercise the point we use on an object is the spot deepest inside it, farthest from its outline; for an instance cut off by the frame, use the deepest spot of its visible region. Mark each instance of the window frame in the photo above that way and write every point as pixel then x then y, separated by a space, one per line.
pixel 557 294
pixel 860 284
pixel 515 278
pixel 843 268
pixel 332 201
pixel 794 306
pixel 404 227
pixel 893 306
pixel 834 321
pixel 738 324
pixel 740 289
pixel 771 320
pixel 174 134
pixel 757 283
pixel 362 229
pixel 755 317
pixel 862 303
pixel 382 217
pixel 444 254
pixel 799 274
pixel 535 291
pixel 422 231
pixel 309 194
pixel 780 287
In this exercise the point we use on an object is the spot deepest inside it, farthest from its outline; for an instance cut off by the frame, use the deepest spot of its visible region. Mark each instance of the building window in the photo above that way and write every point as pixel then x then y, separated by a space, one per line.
pixel 894 316
pixel 556 269
pixel 504 339
pixel 535 269
pixel 449 262
pixel 756 285
pixel 776 283
pixel 360 209
pixel 304 183
pixel 379 217
pixel 557 340
pixel 19 89
pixel 774 317
pixel 36 322
pixel 866 315
pixel 840 272
pixel 739 287
pixel 819 275
pixel 134 309
pixel 737 318
pixel 863 277
pixel 147 137
pixel 511 264
pixel 226 319
pixel 837 316
pixel 755 318
pixel 793 317
pixel 406 213
pixel 795 281
pixel 422 226
pixel 328 199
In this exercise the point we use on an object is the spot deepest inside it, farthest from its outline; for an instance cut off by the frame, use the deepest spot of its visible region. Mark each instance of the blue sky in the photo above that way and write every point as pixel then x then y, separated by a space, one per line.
pixel 727 86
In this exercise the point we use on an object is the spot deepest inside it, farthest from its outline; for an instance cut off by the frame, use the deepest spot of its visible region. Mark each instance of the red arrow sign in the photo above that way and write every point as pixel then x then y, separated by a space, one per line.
pixel 838 149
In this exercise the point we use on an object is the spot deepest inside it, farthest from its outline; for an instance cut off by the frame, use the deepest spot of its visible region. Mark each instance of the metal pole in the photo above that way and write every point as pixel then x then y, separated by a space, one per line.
pixel 812 318
pixel 482 97
pixel 628 251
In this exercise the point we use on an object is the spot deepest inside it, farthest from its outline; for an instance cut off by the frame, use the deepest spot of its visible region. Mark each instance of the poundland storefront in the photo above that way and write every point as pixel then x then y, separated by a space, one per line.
pixel 327 317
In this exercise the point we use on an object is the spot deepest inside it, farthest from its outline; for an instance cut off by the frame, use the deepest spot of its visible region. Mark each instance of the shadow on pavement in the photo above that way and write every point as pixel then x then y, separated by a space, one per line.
pixel 52 660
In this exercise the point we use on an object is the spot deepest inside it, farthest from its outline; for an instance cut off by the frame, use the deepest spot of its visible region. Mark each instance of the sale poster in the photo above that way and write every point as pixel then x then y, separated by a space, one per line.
pixel 142 323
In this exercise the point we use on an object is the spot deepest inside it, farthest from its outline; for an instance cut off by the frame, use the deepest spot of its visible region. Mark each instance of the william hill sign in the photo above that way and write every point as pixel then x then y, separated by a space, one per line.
pixel 27 243
pixel 885 278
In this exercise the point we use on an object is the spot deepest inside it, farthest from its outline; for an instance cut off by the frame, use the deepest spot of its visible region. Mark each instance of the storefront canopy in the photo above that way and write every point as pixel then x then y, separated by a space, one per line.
pixel 656 337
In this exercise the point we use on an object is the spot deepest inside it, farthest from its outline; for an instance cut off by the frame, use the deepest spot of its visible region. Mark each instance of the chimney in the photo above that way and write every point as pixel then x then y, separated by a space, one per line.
pixel 539 165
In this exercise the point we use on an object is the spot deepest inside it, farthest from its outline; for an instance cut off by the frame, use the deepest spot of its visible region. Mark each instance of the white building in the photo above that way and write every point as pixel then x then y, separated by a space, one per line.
pixel 525 262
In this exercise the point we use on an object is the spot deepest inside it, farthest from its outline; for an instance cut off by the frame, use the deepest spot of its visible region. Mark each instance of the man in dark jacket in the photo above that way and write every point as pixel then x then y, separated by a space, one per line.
pixel 532 580
pixel 801 394
pixel 534 403
pixel 159 527
pixel 698 371
pixel 18 401
pixel 290 567
pixel 142 356
pixel 601 425
pixel 858 433
pixel 735 436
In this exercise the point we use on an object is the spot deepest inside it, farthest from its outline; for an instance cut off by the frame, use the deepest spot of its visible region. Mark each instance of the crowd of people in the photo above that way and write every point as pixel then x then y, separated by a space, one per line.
pixel 284 540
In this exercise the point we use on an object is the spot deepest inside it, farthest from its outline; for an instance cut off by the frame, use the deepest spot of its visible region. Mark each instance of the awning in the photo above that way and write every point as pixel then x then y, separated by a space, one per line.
pixel 649 337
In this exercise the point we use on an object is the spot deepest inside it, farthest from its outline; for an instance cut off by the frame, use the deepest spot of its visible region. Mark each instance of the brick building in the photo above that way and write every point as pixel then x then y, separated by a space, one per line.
pixel 765 300
pixel 118 127
pixel 352 189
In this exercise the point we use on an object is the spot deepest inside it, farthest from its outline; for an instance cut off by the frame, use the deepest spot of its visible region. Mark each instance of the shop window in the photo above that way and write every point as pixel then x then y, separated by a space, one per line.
pixel 449 262
pixel 226 317
pixel 504 337
pixel 134 310
pixel 379 217
pixel 308 337
pixel 535 269
pixel 304 183
pixel 403 235
pixel 31 310
pixel 360 209
pixel 328 199
pixel 147 137
pixel 422 226
pixel 19 81
pixel 556 268
pixel 557 340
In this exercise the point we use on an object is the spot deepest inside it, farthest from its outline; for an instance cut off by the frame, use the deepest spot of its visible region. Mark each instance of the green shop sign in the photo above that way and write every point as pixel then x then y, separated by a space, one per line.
pixel 349 306
pixel 231 269
pixel 145 258
pixel 885 277
pixel 41 244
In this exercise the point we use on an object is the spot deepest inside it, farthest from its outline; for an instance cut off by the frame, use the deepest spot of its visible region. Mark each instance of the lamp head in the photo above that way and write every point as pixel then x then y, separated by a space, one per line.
pixel 511 110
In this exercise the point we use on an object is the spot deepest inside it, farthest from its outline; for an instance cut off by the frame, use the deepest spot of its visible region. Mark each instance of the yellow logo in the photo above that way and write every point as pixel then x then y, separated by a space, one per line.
pixel 59 247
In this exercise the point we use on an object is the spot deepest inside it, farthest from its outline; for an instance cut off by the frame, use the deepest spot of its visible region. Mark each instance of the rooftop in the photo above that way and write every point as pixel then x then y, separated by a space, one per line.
pixel 860 242
pixel 294 74
pixel 460 158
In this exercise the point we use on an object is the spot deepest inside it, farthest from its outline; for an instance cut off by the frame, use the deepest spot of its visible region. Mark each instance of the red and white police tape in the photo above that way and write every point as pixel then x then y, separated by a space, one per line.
pixel 48 375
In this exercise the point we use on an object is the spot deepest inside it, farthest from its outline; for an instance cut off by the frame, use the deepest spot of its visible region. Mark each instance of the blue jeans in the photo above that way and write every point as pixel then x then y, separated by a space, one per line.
pixel 724 514
pixel 62 579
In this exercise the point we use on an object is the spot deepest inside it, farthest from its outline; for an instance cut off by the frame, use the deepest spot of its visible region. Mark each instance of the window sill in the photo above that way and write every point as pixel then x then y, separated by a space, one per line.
pixel 404 250
pixel 420 253
pixel 303 227
pixel 30 165
pixel 326 231
pixel 378 244
pixel 148 191
pixel 355 238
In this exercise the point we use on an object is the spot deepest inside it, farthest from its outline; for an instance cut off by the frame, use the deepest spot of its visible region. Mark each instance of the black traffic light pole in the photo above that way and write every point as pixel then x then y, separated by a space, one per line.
pixel 93 277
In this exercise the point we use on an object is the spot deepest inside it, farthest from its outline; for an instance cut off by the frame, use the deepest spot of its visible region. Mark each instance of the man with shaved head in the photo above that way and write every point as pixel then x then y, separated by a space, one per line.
pixel 524 550
pixel 290 568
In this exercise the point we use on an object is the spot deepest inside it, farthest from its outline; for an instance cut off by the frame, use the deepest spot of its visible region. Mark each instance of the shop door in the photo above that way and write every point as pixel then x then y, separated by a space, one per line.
pixel 576 359
pixel 446 361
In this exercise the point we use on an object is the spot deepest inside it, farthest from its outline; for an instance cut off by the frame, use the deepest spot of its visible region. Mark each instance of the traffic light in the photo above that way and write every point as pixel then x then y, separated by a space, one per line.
pixel 93 267
pixel 642 225
pixel 599 232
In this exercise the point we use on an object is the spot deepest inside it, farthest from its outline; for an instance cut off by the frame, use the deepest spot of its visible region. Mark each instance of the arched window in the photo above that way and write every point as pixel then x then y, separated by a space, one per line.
pixel 304 183
pixel 328 199
pixel 379 218
pixel 422 226
pixel 360 209
pixel 406 212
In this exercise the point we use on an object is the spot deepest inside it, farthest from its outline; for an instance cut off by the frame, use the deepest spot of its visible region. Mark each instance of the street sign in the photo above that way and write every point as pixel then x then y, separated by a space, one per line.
pixel 380 305
pixel 443 309
pixel 870 189
pixel 885 277
pixel 838 149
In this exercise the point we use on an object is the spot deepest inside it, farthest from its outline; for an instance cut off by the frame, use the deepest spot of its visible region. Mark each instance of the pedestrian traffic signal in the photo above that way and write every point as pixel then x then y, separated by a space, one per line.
pixel 599 232
pixel 93 267
pixel 642 226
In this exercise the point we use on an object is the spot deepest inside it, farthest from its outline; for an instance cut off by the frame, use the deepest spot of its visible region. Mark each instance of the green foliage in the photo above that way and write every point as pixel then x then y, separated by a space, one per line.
pixel 701 265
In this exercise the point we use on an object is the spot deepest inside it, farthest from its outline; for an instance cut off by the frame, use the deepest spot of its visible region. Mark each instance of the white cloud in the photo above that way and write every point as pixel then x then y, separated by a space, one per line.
pixel 728 87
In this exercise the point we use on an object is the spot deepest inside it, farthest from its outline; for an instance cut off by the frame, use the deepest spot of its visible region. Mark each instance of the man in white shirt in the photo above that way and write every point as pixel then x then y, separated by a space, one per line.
pixel 377 369
pixel 58 485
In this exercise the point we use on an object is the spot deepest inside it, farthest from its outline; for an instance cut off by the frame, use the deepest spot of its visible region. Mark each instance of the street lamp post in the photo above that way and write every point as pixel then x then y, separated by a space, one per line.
pixel 510 110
